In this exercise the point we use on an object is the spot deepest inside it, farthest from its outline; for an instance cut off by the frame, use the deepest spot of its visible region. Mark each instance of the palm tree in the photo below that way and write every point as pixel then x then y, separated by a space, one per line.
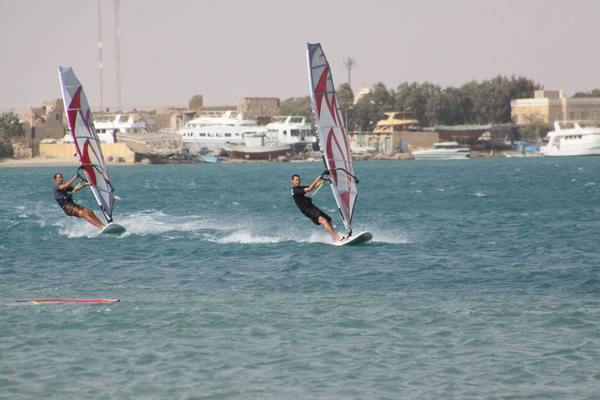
pixel 349 63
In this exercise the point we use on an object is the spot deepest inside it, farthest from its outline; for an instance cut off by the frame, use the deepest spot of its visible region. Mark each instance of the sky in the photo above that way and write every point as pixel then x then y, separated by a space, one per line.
pixel 226 50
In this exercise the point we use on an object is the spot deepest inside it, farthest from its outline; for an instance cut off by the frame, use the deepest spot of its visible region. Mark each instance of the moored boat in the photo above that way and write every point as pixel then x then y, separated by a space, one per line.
pixel 213 129
pixel 254 148
pixel 294 130
pixel 573 138
pixel 523 149
pixel 109 126
pixel 443 151
pixel 209 160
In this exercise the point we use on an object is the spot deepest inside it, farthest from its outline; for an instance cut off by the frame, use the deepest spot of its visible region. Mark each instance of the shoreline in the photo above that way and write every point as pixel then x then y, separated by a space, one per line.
pixel 47 162
pixel 74 161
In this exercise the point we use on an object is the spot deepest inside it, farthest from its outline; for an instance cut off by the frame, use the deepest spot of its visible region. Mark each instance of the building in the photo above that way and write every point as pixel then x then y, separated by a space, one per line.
pixel 392 135
pixel 260 109
pixel 400 132
pixel 550 106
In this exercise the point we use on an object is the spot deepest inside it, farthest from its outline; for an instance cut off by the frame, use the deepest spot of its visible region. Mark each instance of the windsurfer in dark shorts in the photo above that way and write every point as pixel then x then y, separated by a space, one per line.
pixel 65 201
pixel 307 208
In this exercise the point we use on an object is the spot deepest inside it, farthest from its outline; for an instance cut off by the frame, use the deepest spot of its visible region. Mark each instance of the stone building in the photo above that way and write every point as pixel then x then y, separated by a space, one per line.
pixel 550 106
pixel 260 109
pixel 43 124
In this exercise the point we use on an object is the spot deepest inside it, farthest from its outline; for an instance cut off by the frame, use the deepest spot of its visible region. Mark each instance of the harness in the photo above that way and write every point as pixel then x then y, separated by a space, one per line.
pixel 65 201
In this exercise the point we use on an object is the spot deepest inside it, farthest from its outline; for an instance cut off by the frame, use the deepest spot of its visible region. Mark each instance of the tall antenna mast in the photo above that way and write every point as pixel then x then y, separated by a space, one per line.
pixel 118 52
pixel 100 63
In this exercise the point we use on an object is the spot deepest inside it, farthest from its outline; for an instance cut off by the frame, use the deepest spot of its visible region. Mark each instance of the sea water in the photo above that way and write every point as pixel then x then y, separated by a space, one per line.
pixel 481 282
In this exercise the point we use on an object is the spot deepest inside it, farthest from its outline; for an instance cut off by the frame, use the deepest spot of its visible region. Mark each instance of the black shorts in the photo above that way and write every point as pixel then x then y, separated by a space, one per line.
pixel 314 213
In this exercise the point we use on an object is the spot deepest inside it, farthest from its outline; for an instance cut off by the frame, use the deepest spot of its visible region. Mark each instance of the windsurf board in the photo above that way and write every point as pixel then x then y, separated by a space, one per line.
pixel 112 229
pixel 362 237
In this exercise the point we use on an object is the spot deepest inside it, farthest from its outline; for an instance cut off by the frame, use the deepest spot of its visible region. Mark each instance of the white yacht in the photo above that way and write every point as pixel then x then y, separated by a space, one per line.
pixel 110 125
pixel 443 151
pixel 212 129
pixel 290 129
pixel 573 138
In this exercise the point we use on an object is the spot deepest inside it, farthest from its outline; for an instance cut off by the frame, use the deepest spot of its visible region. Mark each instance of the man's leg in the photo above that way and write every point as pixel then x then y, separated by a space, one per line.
pixel 91 218
pixel 329 228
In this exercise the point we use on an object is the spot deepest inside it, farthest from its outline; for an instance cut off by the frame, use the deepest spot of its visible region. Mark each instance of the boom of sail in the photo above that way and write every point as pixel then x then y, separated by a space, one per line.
pixel 331 132
pixel 86 140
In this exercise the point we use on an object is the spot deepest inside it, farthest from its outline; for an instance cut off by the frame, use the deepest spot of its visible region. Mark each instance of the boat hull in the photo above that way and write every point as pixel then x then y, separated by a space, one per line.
pixel 572 138
pixel 554 151
pixel 244 152
pixel 441 154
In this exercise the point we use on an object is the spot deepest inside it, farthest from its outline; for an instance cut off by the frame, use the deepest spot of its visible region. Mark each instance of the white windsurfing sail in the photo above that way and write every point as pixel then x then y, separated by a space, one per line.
pixel 331 132
pixel 86 140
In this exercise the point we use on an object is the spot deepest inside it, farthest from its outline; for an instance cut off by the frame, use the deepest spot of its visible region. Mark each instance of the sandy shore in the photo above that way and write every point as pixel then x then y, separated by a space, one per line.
pixel 44 162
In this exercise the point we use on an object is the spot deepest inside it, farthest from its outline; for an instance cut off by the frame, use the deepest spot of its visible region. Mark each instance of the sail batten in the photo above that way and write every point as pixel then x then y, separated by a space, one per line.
pixel 333 139
pixel 86 140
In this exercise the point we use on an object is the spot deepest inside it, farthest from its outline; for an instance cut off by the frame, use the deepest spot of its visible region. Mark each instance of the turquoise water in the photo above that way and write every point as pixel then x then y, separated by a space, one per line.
pixel 482 282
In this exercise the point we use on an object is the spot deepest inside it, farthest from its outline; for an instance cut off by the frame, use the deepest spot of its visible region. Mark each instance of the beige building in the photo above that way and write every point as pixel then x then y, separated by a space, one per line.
pixel 549 106
pixel 394 134
pixel 259 108
pixel 391 142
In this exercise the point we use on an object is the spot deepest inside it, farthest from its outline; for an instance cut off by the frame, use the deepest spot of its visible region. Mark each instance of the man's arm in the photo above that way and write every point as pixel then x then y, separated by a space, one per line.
pixel 68 184
pixel 81 186
pixel 318 182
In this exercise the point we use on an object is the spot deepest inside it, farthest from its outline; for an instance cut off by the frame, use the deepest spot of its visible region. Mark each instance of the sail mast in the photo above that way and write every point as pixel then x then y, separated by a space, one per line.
pixel 333 139
pixel 86 140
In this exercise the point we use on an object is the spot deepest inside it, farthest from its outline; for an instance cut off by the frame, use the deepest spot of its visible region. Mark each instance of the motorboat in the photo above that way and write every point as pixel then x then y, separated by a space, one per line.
pixel 294 130
pixel 443 151
pixel 256 148
pixel 109 126
pixel 523 149
pixel 573 138
pixel 212 129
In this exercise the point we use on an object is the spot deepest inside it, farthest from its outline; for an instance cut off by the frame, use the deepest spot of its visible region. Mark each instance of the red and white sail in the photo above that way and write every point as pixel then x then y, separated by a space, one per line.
pixel 333 139
pixel 86 140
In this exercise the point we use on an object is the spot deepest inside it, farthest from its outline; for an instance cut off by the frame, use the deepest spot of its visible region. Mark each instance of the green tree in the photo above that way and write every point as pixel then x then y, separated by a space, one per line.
pixel 371 107
pixel 449 107
pixel 491 99
pixel 297 106
pixel 345 96
pixel 414 97
pixel 593 93
pixel 534 128
pixel 10 128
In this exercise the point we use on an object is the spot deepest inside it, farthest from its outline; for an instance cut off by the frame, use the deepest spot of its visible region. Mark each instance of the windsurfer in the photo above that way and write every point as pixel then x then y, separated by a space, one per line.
pixel 65 200
pixel 307 208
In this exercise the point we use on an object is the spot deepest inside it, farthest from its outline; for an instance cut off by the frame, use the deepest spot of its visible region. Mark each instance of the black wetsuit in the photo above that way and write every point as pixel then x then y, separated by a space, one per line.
pixel 306 206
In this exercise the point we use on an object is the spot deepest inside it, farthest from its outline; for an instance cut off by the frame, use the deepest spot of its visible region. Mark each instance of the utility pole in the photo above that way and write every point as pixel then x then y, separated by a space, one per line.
pixel 118 52
pixel 100 63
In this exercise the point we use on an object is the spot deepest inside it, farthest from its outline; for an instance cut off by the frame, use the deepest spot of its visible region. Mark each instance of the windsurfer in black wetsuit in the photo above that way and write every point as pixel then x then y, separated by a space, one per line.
pixel 65 201
pixel 307 208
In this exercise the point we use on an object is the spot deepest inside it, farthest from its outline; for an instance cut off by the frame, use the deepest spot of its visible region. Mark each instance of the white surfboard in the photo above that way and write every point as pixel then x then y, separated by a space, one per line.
pixel 112 229
pixel 362 237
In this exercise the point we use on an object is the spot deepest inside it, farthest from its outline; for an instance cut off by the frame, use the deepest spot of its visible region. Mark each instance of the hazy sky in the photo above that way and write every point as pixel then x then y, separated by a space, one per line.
pixel 229 49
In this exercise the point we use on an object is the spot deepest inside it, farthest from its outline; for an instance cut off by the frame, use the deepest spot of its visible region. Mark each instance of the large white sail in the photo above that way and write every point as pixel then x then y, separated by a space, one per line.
pixel 333 139
pixel 86 140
